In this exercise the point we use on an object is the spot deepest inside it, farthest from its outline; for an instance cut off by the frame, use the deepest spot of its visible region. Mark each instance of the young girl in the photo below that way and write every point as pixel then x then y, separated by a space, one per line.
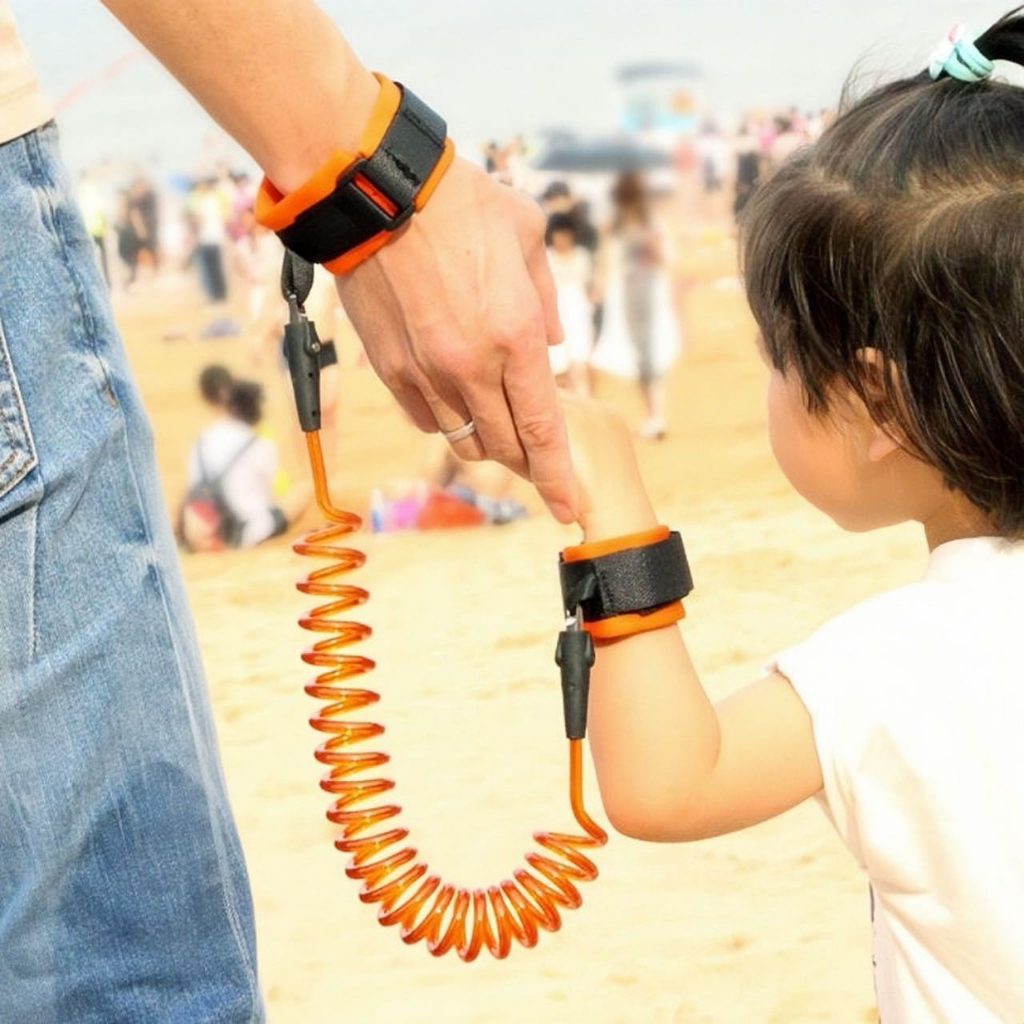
pixel 885 268
pixel 573 270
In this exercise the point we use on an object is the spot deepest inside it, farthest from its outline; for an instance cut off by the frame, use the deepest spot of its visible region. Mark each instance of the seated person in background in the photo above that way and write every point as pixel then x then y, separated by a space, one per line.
pixel 215 385
pixel 231 472
pixel 448 493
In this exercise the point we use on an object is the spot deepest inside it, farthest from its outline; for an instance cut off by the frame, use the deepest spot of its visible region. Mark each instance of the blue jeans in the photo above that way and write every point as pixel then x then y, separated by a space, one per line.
pixel 123 891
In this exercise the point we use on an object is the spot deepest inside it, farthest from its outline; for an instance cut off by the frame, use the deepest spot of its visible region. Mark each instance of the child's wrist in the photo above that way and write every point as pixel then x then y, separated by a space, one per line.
pixel 618 520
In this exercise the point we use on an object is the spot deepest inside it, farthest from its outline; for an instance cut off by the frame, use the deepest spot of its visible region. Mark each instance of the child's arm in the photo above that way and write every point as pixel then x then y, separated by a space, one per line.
pixel 671 765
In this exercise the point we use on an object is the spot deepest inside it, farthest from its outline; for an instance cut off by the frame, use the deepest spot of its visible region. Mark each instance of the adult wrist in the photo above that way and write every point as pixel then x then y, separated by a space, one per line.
pixel 359 199
pixel 335 123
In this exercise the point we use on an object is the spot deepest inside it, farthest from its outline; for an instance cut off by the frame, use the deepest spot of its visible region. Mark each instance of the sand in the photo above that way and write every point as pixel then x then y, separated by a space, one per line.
pixel 770 925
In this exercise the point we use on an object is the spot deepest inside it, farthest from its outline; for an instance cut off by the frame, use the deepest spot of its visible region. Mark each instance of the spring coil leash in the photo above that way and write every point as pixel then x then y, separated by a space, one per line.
pixel 424 907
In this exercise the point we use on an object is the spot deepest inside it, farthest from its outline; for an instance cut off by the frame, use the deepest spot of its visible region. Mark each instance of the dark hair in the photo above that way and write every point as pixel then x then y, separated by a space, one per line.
pixel 630 193
pixel 559 222
pixel 902 230
pixel 245 402
pixel 214 383
pixel 556 190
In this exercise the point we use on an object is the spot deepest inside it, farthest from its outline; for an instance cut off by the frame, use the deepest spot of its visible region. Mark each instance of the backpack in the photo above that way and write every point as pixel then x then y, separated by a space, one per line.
pixel 206 521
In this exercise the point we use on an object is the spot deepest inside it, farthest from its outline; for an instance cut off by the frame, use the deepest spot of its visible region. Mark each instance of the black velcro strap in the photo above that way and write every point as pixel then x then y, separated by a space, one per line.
pixel 638 581
pixel 410 150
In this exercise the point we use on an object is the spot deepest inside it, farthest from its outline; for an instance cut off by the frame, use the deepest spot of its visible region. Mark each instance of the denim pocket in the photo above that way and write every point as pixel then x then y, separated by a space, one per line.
pixel 17 451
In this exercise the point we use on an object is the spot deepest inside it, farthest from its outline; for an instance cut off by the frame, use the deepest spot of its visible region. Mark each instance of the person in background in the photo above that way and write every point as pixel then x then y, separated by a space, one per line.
pixel 587 234
pixel 94 213
pixel 556 198
pixel 572 267
pixel 244 465
pixel 448 493
pixel 129 230
pixel 640 334
pixel 215 383
pixel 257 259
pixel 713 153
pixel 748 166
pixel 788 139
pixel 209 210
pixel 491 157
pixel 144 208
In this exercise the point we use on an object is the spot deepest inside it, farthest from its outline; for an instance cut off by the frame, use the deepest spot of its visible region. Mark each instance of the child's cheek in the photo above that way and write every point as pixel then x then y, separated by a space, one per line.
pixel 796 444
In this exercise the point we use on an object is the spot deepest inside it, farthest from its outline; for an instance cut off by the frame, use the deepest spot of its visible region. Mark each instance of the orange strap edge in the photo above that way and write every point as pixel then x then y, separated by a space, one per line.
pixel 277 211
pixel 603 548
pixel 632 625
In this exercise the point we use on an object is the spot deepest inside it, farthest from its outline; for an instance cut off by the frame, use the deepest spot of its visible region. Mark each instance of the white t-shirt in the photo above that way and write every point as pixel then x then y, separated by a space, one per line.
pixel 249 483
pixel 917 700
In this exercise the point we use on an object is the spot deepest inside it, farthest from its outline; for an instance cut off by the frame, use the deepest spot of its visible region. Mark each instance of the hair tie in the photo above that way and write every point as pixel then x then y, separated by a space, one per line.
pixel 959 57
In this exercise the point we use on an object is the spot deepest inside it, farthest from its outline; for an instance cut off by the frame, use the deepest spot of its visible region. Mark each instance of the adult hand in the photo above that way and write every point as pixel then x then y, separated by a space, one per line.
pixel 456 315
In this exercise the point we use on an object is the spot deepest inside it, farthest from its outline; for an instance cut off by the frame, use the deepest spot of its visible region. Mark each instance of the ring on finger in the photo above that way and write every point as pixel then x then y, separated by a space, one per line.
pixel 460 433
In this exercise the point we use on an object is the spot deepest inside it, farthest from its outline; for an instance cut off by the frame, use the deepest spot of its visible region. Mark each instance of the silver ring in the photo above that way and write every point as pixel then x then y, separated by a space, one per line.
pixel 460 433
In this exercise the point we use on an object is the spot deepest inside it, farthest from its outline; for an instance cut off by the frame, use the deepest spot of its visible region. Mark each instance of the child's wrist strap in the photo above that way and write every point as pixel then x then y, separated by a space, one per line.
pixel 629 585
pixel 353 206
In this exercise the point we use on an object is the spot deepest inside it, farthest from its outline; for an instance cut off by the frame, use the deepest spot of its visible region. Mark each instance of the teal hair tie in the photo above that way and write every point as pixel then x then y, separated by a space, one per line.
pixel 959 57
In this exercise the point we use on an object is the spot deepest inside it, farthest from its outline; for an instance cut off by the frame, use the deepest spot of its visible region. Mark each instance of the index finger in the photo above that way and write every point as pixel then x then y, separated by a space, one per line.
pixel 540 424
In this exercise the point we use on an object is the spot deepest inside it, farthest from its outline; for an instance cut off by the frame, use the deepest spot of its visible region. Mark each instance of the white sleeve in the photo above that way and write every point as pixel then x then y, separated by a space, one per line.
pixel 837 673
pixel 808 669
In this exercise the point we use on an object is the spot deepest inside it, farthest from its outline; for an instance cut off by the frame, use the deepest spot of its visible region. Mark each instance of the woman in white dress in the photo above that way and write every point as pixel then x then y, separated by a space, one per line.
pixel 640 336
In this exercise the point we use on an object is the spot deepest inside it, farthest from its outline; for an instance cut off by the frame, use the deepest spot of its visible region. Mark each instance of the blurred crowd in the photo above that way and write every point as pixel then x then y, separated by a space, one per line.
pixel 614 233
pixel 734 162
pixel 202 224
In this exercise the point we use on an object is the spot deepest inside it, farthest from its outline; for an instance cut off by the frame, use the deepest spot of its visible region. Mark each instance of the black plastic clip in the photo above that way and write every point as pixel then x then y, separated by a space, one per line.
pixel 575 656
pixel 301 342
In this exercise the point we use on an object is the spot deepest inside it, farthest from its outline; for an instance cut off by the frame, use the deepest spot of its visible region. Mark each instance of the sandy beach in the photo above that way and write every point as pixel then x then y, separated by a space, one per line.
pixel 770 925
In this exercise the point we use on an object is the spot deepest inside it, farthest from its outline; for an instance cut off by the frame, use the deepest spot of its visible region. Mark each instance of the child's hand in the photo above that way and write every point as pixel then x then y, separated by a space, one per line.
pixel 613 500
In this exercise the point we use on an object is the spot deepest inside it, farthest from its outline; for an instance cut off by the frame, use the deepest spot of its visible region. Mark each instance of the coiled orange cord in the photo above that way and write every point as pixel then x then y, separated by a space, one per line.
pixel 424 906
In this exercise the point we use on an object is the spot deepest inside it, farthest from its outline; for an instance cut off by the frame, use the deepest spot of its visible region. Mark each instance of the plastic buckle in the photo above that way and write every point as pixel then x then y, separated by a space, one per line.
pixel 575 656
pixel 348 188
pixel 302 352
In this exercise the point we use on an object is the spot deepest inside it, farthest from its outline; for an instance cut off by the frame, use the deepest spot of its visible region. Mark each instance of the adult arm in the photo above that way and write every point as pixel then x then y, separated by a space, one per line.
pixel 455 314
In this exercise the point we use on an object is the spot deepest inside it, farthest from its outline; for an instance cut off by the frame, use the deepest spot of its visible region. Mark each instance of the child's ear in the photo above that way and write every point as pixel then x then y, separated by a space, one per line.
pixel 881 389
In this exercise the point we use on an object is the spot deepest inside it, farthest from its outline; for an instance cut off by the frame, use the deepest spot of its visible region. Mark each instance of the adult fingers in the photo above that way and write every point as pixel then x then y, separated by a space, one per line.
pixel 540 424
pixel 540 273
pixel 416 407
pixel 451 414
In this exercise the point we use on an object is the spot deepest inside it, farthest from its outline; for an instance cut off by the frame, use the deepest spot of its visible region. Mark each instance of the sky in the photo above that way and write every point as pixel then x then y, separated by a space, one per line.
pixel 498 68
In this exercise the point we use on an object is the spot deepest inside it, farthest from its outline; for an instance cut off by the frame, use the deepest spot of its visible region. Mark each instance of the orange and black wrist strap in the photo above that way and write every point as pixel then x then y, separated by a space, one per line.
pixel 610 590
pixel 353 206
pixel 629 585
